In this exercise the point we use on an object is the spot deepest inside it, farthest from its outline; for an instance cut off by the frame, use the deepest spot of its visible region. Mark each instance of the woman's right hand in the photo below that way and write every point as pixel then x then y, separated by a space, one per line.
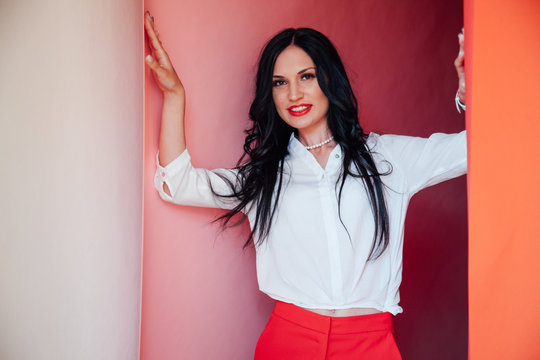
pixel 158 60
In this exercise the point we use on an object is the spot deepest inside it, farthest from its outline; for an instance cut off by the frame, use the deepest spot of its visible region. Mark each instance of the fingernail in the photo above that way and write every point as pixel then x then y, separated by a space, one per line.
pixel 149 58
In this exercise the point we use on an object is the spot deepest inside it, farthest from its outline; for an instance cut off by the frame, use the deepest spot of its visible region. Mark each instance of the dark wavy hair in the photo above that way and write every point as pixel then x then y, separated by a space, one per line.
pixel 260 169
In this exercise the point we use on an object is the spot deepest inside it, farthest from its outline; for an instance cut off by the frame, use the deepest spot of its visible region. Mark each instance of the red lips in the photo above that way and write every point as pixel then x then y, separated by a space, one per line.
pixel 300 109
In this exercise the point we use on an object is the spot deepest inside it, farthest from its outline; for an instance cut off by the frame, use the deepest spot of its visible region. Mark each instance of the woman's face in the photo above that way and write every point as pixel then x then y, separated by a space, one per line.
pixel 299 100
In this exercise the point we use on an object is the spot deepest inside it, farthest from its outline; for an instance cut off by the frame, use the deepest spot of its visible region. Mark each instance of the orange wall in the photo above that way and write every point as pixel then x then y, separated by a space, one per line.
pixel 200 297
pixel 504 119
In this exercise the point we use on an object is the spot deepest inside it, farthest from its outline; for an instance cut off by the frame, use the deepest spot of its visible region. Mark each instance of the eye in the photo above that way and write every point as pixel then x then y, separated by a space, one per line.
pixel 278 82
pixel 308 76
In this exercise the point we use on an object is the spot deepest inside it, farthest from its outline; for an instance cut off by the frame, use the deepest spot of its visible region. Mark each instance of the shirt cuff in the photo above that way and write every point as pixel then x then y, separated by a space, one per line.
pixel 166 174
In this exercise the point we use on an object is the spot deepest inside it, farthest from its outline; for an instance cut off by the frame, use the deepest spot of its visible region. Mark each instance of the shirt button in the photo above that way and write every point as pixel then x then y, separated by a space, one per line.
pixel 337 156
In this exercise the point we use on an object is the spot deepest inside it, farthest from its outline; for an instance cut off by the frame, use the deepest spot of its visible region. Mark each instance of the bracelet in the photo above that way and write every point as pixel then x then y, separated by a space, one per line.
pixel 459 104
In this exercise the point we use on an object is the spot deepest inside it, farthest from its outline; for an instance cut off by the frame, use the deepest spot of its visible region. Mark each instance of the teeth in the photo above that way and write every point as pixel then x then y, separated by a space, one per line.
pixel 299 108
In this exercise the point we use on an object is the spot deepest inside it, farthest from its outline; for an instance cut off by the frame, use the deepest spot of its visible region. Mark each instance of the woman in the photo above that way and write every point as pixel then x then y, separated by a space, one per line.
pixel 326 203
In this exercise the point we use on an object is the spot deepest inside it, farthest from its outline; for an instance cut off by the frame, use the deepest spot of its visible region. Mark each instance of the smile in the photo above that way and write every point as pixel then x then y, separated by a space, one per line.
pixel 299 110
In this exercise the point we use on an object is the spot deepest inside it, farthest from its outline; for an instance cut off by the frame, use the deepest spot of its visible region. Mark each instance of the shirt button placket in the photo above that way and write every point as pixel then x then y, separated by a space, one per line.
pixel 326 189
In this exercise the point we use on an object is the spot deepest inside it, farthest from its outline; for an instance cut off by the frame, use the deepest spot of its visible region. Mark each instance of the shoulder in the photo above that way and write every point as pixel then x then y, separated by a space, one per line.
pixel 386 144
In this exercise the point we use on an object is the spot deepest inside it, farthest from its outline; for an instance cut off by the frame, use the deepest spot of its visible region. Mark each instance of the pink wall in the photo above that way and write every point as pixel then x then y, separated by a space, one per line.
pixel 200 297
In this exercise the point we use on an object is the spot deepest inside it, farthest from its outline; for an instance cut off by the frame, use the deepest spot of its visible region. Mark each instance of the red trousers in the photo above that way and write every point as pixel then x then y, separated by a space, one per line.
pixel 293 333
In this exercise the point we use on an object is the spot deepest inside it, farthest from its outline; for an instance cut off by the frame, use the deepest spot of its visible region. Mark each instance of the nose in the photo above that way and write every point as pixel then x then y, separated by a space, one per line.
pixel 295 91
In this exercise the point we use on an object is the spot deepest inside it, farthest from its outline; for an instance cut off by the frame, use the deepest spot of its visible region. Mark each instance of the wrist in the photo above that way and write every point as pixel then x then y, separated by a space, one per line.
pixel 461 96
pixel 174 94
pixel 460 105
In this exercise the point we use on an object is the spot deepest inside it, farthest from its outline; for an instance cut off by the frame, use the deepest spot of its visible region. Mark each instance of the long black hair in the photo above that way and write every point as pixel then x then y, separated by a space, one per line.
pixel 260 169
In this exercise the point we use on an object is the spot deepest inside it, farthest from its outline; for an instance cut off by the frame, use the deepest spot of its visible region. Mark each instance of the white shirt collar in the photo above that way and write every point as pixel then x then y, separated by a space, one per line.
pixel 297 151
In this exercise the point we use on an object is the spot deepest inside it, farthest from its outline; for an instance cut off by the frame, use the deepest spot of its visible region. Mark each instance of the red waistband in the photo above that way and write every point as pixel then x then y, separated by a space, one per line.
pixel 336 325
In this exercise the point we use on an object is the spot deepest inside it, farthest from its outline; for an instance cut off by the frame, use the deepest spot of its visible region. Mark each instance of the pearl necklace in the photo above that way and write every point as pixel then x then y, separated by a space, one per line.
pixel 311 147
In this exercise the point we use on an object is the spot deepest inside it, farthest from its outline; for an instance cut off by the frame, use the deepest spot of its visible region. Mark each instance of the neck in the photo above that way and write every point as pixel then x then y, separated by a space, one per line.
pixel 310 138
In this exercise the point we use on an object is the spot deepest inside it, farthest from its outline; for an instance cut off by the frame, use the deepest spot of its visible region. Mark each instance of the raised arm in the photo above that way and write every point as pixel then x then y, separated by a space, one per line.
pixel 428 161
pixel 176 180
pixel 172 141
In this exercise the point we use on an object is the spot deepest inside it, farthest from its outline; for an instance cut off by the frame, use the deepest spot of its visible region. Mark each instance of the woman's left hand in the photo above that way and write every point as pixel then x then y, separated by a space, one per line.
pixel 459 63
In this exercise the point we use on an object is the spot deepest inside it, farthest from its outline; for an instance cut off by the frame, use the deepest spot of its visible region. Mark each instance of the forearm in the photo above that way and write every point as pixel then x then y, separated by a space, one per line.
pixel 172 140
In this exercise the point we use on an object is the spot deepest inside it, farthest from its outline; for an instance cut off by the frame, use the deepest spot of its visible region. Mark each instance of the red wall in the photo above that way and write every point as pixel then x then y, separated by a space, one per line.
pixel 200 297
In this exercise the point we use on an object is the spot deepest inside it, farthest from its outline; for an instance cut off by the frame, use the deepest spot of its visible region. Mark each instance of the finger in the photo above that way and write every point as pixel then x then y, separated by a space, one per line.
pixel 149 26
pixel 458 63
pixel 153 24
pixel 460 59
pixel 155 43
pixel 151 31
pixel 157 49
pixel 153 64
pixel 151 34
pixel 461 54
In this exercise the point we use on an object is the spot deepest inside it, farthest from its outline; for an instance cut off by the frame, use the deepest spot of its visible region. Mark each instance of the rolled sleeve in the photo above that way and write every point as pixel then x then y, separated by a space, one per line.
pixel 194 186
pixel 168 174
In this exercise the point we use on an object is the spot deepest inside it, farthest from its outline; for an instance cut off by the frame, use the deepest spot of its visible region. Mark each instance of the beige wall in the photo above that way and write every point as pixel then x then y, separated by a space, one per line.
pixel 70 185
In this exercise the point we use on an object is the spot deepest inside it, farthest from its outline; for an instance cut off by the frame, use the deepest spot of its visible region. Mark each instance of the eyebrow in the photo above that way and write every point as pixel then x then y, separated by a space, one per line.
pixel 300 72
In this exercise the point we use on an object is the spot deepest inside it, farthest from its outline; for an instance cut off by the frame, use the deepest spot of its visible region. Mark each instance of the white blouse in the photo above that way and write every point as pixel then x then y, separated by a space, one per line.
pixel 308 258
